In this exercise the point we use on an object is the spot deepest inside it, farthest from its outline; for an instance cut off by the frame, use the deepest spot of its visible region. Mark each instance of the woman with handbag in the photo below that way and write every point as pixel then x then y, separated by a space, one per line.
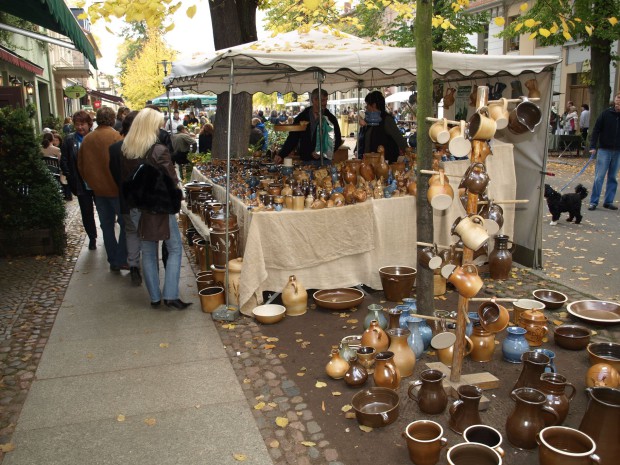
pixel 153 190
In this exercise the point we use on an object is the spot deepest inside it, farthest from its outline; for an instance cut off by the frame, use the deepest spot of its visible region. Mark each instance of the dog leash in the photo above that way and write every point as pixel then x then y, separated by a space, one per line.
pixel 592 157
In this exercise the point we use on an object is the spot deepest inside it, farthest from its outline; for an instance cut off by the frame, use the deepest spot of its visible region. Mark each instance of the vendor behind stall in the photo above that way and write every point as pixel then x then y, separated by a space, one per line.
pixel 305 142
pixel 182 143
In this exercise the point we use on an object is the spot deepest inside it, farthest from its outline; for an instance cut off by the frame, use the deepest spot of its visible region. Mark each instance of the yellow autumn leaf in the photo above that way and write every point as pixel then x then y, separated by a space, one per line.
pixel 518 27
pixel 336 393
pixel 120 417
pixel 164 345
pixel 558 322
pixel 567 35
pixel 346 408
pixel 365 429
pixel 82 16
pixel 523 7
pixel 613 21
pixel 308 443
pixel 301 374
pixel 150 421
pixel 274 444
pixel 240 457
pixel 282 355
pixel 272 339
pixel 320 384
pixel 530 23
pixel 545 33
pixel 312 4
pixel 533 35
pixel 259 406
pixel 169 28
pixel 109 30
pixel 191 11
pixel 282 422
pixel 269 346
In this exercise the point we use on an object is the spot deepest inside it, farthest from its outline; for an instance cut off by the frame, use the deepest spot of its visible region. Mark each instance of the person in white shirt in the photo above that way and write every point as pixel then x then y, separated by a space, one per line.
pixel 171 125
pixel 584 121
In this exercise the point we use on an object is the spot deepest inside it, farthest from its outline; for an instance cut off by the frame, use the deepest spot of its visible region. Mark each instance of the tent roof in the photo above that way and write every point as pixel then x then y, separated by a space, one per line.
pixel 286 62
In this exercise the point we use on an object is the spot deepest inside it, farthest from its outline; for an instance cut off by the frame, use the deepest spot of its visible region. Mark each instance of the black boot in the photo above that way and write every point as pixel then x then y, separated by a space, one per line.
pixel 136 278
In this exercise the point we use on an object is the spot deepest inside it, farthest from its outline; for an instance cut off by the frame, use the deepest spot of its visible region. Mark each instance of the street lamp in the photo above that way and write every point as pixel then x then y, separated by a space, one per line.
pixel 14 80
pixel 165 64
pixel 29 87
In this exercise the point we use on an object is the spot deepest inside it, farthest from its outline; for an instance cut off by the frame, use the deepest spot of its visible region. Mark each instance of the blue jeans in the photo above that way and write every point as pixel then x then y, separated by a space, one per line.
pixel 150 264
pixel 109 211
pixel 607 162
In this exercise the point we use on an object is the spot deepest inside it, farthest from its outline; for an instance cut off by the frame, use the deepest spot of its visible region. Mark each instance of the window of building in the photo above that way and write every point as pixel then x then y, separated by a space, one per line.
pixel 512 44
pixel 483 41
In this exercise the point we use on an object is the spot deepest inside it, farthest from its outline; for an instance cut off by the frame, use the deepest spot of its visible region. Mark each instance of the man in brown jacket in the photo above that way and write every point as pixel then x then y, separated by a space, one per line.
pixel 94 167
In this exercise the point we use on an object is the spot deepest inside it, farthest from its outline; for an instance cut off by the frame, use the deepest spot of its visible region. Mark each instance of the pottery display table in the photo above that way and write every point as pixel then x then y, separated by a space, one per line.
pixel 344 246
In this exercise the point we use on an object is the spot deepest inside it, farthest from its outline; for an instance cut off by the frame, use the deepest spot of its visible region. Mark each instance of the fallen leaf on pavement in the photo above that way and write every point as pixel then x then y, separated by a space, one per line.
pixel 150 421
pixel 240 457
pixel 259 406
pixel 120 417
pixel 308 443
pixel 336 393
pixel 274 444
pixel 282 422
pixel 320 384
pixel 164 345
pixel 346 408
pixel 7 447
pixel 365 429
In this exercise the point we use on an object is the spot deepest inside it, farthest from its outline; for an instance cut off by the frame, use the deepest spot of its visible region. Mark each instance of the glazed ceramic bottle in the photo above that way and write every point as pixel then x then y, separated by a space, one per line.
pixel 356 375
pixel 375 337
pixel 294 297
pixel 404 357
pixel 337 366
pixel 526 420
pixel 375 312
pixel 394 318
pixel 386 373
pixel 500 259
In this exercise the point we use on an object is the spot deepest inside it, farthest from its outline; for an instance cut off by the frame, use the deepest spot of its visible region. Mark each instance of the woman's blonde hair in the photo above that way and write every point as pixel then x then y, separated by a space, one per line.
pixel 143 133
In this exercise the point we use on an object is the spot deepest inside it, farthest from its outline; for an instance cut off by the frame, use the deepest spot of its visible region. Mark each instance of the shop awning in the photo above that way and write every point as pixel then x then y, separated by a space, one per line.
pixel 55 16
pixel 103 96
pixel 20 62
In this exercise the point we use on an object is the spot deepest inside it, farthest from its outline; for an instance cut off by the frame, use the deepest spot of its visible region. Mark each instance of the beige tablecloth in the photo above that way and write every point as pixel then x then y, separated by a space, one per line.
pixel 343 247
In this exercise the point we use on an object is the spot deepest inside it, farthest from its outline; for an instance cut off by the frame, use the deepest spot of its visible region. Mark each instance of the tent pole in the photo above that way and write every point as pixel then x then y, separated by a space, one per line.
pixel 228 146
pixel 319 79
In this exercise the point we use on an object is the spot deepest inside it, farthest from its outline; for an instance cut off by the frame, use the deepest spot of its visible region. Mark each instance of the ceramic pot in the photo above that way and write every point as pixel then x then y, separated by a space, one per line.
pixel 500 259
pixel 514 344
pixel 429 257
pixel 212 297
pixel 337 366
pixel 602 375
pixel 471 231
pixel 535 322
pixel 234 278
pixel 375 312
pixel 534 364
pixel 376 406
pixel 404 357
pixel 464 278
pixel 475 179
pixel 294 297
pixel 356 375
pixel 218 241
pixel 366 357
pixel 525 117
pixel 464 411
pixel 526 420
pixel 349 346
pixel 483 345
pixel 443 343
pixel 481 125
pixel 397 281
pixel 483 434
pixel 386 373
pixel 499 112
pixel 471 453
pixel 375 337
pixel 431 397
pixel 424 441
pixel 493 316
pixel 204 280
pixel 440 194
pixel 493 216
pixel 522 305
pixel 565 446
pixel 553 386
pixel 602 422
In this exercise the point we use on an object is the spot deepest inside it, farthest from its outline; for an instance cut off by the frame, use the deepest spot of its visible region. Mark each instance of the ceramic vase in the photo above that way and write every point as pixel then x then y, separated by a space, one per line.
pixel 514 344
pixel 500 259
pixel 356 375
pixel 234 276
pixel 483 345
pixel 375 337
pixel 415 340
pixel 294 297
pixel 375 312
pixel 404 357
pixel 337 366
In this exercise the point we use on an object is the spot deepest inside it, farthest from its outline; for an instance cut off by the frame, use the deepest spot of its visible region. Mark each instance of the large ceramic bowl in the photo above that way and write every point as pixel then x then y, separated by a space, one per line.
pixel 598 311
pixel 338 299
pixel 552 299
pixel 572 337
pixel 397 281
pixel 269 314
pixel 376 406
pixel 605 352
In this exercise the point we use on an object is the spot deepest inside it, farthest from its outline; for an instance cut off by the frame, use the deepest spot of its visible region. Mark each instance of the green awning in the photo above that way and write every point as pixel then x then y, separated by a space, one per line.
pixel 55 16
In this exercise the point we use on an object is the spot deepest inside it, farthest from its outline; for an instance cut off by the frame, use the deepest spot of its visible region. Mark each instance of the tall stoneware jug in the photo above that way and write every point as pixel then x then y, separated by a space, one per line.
pixel 464 411
pixel 386 373
pixel 294 297
pixel 483 343
pixel 553 386
pixel 404 357
pixel 431 397
pixel 375 337
pixel 234 278
pixel 500 259
pixel 602 422
pixel 527 420
pixel 534 364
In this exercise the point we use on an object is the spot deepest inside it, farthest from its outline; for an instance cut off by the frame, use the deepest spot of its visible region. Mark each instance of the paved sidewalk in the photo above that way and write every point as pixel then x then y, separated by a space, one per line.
pixel 120 382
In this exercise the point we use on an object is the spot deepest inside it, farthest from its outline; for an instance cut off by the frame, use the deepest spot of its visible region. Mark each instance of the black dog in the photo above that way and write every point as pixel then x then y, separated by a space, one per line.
pixel 560 203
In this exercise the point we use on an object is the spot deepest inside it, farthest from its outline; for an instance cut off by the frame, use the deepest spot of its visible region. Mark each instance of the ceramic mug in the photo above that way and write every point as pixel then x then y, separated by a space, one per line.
pixel 464 278
pixel 471 453
pixel 525 117
pixel 565 446
pixel 493 316
pixel 443 343
pixel 429 258
pixel 499 112
pixel 475 179
pixel 483 434
pixel 471 231
pixel 459 144
pixel 438 132
pixel 440 193
pixel 481 125
pixel 424 441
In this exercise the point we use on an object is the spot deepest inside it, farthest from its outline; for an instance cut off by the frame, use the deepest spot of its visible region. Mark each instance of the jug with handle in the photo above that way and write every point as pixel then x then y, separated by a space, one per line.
pixel 526 420
pixel 471 231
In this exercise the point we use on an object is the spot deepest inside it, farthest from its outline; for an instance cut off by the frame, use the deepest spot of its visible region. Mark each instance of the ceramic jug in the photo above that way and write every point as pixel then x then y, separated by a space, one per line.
pixel 431 397
pixel 356 375
pixel 500 259
pixel 375 337
pixel 394 318
pixel 464 411
pixel 234 275
pixel 366 357
pixel 448 98
pixel 493 216
pixel 464 278
pixel 475 179
pixel 381 167
pixel 553 386
pixel 367 171
pixel 532 87
pixel 337 366
pixel 471 231
pixel 386 373
pixel 534 364
pixel 404 357
pixel 404 315
pixel 294 297
pixel 415 340
pixel 526 420
pixel 602 422
pixel 375 312
pixel 483 344
pixel 514 344
pixel 349 346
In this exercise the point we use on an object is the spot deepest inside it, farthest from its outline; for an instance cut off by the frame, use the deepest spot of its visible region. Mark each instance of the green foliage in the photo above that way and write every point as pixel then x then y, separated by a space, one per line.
pixel 52 122
pixel 29 195
pixel 6 36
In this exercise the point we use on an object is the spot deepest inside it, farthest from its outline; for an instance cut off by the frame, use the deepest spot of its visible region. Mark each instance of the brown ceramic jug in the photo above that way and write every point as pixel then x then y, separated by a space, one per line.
pixel 500 259
pixel 483 343
pixel 526 420
pixel 404 357
pixel 464 278
pixel 431 397
pixel 375 337
pixel 337 366
pixel 534 364
pixel 464 411
pixel 475 179
pixel 602 422
pixel 553 386
pixel 356 375
pixel 535 322
pixel 367 171
pixel 386 374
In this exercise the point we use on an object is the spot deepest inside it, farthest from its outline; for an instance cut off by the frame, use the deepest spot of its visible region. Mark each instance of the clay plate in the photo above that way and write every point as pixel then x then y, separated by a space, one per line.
pixel 598 311
pixel 338 299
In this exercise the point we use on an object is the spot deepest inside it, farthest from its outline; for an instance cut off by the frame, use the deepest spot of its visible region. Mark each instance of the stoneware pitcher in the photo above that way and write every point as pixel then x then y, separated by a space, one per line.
pixel 386 373
pixel 464 278
pixel 475 179
pixel 526 420
pixel 602 422
pixel 534 364
pixel 471 231
pixel 553 386
pixel 294 297
pixel 431 397
pixel 464 411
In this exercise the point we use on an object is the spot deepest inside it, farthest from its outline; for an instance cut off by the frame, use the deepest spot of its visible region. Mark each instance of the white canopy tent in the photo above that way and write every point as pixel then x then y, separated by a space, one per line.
pixel 398 97
pixel 296 62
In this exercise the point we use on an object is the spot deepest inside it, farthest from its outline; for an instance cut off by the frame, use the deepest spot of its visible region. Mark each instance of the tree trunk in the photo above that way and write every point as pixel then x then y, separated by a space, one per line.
pixel 600 92
pixel 233 23
pixel 424 222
